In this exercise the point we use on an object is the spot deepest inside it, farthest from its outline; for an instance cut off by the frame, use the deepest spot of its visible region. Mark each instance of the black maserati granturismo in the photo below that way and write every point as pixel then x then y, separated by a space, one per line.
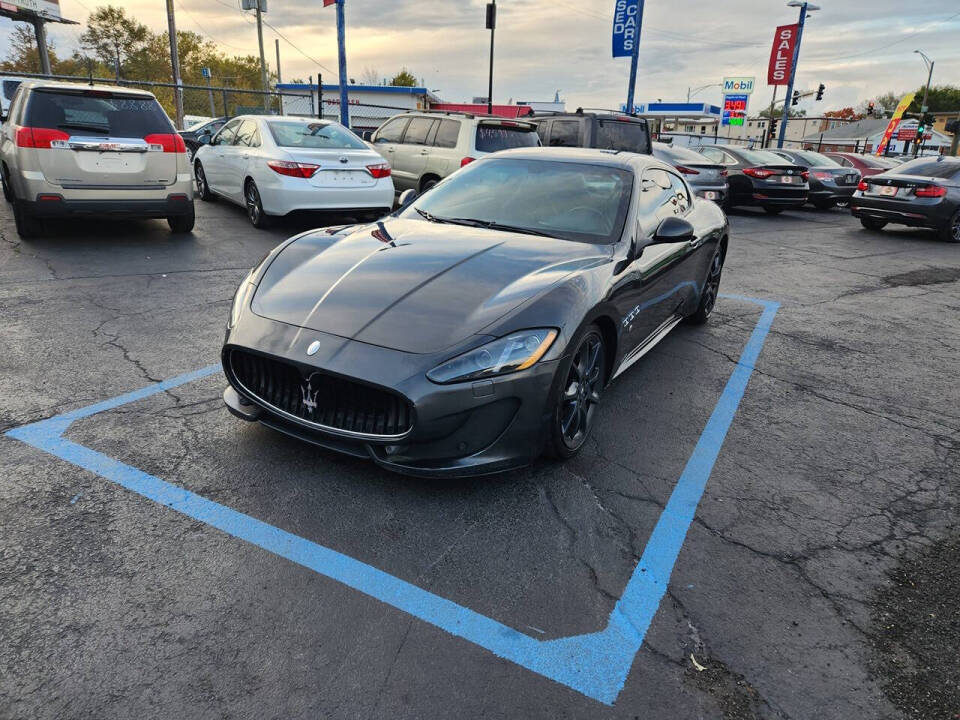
pixel 479 325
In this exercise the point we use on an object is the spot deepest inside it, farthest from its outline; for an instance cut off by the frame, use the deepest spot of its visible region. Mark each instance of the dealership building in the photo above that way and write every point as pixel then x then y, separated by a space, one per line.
pixel 369 105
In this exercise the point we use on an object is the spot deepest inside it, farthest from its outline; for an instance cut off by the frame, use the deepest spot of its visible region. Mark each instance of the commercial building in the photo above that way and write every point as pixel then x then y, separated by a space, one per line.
pixel 370 105
pixel 867 134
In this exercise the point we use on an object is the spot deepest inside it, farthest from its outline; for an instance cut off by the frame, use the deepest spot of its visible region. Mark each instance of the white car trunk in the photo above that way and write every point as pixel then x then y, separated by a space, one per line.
pixel 84 161
pixel 338 168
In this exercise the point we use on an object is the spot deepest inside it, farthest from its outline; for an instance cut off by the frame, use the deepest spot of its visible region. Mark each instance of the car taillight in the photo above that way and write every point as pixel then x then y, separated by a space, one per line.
pixel 39 137
pixel 930 191
pixel 687 171
pixel 380 170
pixel 760 173
pixel 805 175
pixel 820 175
pixel 170 142
pixel 862 185
pixel 293 169
pixel 466 161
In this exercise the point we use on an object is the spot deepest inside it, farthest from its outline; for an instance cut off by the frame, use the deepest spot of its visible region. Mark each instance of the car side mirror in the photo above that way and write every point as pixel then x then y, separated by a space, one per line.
pixel 204 139
pixel 407 197
pixel 673 230
pixel 367 135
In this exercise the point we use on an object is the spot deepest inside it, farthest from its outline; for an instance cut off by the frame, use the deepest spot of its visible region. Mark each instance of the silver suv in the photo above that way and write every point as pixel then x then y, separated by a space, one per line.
pixel 424 147
pixel 68 149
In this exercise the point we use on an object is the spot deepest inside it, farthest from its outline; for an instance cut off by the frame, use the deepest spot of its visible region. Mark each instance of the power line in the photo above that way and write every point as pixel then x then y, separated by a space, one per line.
pixel 206 32
pixel 897 42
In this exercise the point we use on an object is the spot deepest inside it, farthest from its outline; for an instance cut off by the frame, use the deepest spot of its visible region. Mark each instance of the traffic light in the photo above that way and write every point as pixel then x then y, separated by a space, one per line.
pixel 870 109
pixel 773 127
pixel 820 91
pixel 796 97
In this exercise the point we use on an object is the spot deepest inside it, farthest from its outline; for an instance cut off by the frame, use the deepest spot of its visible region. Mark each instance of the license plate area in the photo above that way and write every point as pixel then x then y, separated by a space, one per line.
pixel 888 191
pixel 342 178
pixel 786 179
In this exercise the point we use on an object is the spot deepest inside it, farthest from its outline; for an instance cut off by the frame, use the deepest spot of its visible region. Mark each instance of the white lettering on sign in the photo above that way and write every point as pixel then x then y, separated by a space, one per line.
pixel 625 23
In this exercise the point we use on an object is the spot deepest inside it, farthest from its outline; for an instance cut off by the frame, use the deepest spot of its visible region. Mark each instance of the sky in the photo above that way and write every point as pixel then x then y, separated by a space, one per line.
pixel 857 48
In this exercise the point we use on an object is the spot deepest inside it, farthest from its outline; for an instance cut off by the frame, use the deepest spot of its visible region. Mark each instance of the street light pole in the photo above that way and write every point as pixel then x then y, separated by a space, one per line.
pixel 175 64
pixel 926 91
pixel 491 26
pixel 804 7
pixel 263 60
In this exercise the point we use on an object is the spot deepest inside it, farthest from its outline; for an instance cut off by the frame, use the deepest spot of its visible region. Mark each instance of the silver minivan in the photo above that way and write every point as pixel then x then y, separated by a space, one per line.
pixel 424 147
pixel 68 149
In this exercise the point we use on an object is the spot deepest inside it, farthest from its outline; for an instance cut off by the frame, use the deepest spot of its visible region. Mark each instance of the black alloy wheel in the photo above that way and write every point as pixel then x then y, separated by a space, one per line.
pixel 258 218
pixel 711 289
pixel 579 395
pixel 951 231
pixel 203 189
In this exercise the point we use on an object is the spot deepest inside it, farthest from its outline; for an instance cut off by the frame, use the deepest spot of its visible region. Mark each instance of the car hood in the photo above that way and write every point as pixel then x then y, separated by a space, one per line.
pixel 413 285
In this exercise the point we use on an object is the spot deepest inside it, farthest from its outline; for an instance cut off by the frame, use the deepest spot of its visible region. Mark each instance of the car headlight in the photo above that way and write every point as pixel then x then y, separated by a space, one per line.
pixel 508 354
pixel 241 298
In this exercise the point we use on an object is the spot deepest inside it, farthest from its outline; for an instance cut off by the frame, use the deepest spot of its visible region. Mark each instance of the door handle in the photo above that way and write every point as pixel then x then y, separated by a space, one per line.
pixel 424 152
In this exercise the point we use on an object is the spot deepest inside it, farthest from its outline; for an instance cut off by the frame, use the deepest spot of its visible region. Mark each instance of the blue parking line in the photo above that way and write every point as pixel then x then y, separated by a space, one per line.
pixel 595 664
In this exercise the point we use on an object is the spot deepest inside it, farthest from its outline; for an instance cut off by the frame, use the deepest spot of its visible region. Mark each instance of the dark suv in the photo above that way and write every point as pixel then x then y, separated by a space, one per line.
pixel 602 130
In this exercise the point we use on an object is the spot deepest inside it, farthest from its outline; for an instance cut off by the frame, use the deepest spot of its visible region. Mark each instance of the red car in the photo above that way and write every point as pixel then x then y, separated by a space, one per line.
pixel 866 164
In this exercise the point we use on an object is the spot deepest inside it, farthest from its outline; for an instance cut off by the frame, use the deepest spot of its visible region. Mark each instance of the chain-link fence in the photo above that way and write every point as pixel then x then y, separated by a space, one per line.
pixel 362 116
pixel 758 143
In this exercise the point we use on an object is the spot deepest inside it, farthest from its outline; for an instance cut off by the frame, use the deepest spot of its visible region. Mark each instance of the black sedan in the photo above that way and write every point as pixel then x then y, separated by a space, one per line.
pixel 921 193
pixel 480 324
pixel 830 182
pixel 760 178
pixel 200 134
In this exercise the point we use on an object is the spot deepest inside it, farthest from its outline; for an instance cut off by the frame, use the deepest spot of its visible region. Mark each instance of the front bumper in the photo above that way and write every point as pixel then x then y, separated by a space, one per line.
pixel 461 429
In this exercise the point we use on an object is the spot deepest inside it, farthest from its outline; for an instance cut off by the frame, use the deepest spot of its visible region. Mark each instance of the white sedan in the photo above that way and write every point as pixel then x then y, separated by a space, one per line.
pixel 273 165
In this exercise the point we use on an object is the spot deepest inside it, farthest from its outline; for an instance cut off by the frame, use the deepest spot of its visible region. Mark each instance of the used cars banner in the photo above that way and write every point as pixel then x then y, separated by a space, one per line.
pixel 627 16
pixel 781 55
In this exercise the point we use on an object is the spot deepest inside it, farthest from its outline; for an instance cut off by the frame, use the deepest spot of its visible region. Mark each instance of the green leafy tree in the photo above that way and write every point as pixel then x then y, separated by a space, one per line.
pixel 886 101
pixel 404 78
pixel 22 55
pixel 941 98
pixel 778 112
pixel 113 37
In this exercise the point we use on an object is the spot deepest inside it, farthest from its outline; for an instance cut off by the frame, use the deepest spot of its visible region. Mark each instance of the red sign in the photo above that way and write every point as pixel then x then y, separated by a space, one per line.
pixel 328 3
pixel 907 133
pixel 781 56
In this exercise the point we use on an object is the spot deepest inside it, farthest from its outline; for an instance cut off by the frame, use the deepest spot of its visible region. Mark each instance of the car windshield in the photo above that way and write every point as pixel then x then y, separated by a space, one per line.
pixel 491 138
pixel 762 157
pixel 815 159
pixel 571 201
pixel 623 135
pixel 313 135
pixel 678 154
pixel 925 167
pixel 98 113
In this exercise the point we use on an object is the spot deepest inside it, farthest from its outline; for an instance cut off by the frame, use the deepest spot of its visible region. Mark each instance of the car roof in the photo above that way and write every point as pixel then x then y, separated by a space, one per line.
pixel 602 114
pixel 62 85
pixel 592 156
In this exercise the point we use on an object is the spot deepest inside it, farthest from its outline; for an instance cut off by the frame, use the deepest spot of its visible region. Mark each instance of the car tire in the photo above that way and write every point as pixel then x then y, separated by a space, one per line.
pixel 871 224
pixel 711 289
pixel 27 225
pixel 578 385
pixel 427 183
pixel 180 224
pixel 254 205
pixel 823 204
pixel 951 231
pixel 772 210
pixel 5 182
pixel 203 187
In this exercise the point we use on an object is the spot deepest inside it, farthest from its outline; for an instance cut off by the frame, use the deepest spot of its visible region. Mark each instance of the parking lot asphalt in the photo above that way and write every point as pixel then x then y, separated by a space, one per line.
pixel 837 473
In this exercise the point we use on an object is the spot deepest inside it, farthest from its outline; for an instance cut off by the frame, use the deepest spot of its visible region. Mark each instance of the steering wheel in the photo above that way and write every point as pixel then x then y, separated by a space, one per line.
pixel 584 209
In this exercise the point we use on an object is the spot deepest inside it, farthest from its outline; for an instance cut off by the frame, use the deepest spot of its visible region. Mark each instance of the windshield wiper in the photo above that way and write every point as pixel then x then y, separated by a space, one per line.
pixel 449 221
pixel 493 225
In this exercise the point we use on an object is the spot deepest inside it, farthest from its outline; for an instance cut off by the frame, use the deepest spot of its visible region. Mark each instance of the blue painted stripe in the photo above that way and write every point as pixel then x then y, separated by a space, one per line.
pixel 595 664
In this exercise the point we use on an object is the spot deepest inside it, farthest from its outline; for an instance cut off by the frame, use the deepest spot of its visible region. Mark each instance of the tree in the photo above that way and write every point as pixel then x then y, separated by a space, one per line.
pixel 847 113
pixel 113 37
pixel 887 101
pixel 404 78
pixel 941 98
pixel 22 55
pixel 778 112
pixel 370 76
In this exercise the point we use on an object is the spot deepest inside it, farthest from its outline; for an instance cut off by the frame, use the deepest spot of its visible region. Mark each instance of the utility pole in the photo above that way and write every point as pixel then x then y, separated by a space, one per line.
pixel 175 64
pixel 40 30
pixel 277 41
pixel 342 57
pixel 926 91
pixel 635 59
pixel 804 6
pixel 491 26
pixel 263 61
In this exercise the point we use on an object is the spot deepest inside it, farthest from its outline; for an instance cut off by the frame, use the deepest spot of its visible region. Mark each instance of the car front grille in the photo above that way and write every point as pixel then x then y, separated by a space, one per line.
pixel 321 400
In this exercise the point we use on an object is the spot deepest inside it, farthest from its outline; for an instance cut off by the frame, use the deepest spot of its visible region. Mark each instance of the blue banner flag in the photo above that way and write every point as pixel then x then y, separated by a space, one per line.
pixel 627 17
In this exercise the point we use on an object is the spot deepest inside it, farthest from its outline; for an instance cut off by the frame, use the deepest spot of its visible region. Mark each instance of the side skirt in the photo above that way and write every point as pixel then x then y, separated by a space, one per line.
pixel 647 345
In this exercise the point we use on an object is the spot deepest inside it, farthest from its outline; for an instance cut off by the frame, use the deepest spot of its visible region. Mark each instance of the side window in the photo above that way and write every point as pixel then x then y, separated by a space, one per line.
pixel 565 133
pixel 712 154
pixel 417 131
pixel 392 131
pixel 447 134
pixel 227 134
pixel 682 194
pixel 542 130
pixel 245 133
pixel 14 113
pixel 255 138
pixel 846 162
pixel 656 190
pixel 728 159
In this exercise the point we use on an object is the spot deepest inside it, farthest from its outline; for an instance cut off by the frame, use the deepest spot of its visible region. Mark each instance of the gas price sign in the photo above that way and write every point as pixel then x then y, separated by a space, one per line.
pixel 734 109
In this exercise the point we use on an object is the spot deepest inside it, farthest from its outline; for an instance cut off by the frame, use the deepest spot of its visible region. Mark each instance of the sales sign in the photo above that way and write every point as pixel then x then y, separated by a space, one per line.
pixel 627 18
pixel 734 109
pixel 781 55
